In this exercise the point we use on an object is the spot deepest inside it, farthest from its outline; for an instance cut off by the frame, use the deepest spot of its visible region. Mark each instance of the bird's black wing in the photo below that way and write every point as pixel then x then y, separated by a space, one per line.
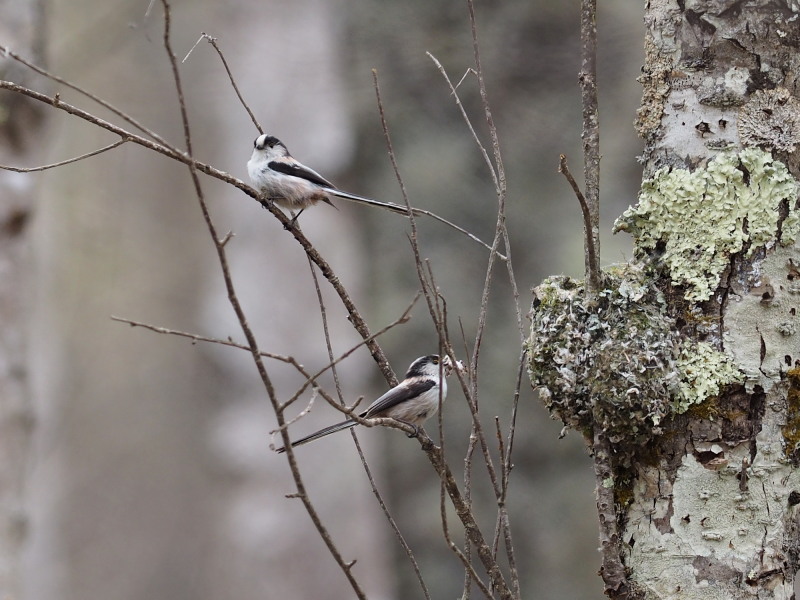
pixel 301 171
pixel 396 395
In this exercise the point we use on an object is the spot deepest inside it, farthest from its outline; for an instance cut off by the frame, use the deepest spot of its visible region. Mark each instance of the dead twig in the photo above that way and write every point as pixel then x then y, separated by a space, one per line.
pixel 355 317
pixel 235 304
pixel 590 243
pixel 434 453
pixel 213 41
pixel 64 162
pixel 5 51
pixel 591 139
pixel 375 491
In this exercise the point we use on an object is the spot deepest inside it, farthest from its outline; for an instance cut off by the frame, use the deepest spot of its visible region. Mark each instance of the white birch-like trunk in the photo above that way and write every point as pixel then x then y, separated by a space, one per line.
pixel 20 125
pixel 687 359
pixel 715 515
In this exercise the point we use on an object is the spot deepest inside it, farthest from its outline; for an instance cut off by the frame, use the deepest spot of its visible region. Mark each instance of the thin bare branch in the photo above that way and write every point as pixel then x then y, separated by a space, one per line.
pixel 473 237
pixel 195 337
pixel 213 42
pixel 234 301
pixel 354 316
pixel 64 162
pixel 464 512
pixel 434 452
pixel 487 109
pixel 591 141
pixel 93 97
pixel 464 76
pixel 196 44
pixel 590 243
pixel 375 491
pixel 297 417
pixel 563 168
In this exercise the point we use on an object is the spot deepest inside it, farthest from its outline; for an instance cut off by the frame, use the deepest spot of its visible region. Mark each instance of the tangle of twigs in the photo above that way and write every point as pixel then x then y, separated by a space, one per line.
pixel 502 582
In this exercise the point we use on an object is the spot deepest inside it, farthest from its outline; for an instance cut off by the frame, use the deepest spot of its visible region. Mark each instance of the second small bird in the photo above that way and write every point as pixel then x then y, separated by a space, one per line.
pixel 290 184
pixel 411 401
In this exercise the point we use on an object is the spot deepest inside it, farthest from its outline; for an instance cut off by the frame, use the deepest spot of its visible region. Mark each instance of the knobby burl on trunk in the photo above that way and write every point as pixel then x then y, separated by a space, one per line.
pixel 687 358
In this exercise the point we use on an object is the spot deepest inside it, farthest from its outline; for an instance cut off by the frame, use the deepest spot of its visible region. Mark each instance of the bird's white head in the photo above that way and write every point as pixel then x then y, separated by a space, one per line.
pixel 268 147
pixel 428 366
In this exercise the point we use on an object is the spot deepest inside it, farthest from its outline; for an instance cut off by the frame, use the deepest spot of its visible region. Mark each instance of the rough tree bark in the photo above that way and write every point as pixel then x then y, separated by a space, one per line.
pixel 690 354
pixel 21 27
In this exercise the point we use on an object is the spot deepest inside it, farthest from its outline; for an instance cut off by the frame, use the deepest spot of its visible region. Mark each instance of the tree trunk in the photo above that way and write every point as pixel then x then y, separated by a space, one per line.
pixel 688 359
pixel 20 126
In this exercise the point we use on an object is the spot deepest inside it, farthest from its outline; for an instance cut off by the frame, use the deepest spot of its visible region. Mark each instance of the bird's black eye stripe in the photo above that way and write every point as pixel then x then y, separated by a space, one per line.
pixel 264 141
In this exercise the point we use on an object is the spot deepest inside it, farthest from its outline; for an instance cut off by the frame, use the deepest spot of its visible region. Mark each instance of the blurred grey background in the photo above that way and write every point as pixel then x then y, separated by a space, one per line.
pixel 153 476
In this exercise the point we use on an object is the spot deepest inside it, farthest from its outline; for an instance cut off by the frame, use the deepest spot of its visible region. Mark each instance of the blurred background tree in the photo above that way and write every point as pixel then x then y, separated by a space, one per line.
pixel 21 126
pixel 153 476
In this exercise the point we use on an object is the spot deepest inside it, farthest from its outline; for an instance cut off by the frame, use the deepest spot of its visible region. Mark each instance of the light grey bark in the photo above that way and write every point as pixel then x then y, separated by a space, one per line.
pixel 688 359
pixel 713 517
pixel 21 26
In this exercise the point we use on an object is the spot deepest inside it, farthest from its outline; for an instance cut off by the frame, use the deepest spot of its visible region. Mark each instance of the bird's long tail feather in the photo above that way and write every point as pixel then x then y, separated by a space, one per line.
pixel 402 210
pixel 321 433
pixel 395 208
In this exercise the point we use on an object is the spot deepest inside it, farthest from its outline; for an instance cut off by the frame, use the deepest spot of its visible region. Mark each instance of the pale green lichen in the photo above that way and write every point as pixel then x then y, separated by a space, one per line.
pixel 704 216
pixel 703 371
pixel 616 360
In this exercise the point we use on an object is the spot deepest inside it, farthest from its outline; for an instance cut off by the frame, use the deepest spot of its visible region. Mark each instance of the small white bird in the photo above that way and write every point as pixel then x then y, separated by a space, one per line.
pixel 292 185
pixel 411 401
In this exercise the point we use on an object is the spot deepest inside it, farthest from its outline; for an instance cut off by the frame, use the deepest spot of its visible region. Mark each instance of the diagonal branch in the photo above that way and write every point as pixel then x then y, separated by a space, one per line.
pixel 213 42
pixel 355 317
pixel 367 470
pixel 591 139
pixel 240 315
pixel 5 51
pixel 435 453
pixel 64 162
pixel 590 243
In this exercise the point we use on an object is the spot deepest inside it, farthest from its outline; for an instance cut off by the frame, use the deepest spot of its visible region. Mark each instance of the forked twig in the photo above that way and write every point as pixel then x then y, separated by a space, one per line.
pixel 64 162
pixel 355 317
pixel 591 141
pixel 310 378
pixel 251 340
pixel 589 224
pixel 375 491
pixel 433 452
pixel 5 51
pixel 213 41
pixel 411 210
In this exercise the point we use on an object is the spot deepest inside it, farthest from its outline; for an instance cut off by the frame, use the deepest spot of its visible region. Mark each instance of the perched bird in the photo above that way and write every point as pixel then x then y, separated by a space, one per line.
pixel 290 184
pixel 411 401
